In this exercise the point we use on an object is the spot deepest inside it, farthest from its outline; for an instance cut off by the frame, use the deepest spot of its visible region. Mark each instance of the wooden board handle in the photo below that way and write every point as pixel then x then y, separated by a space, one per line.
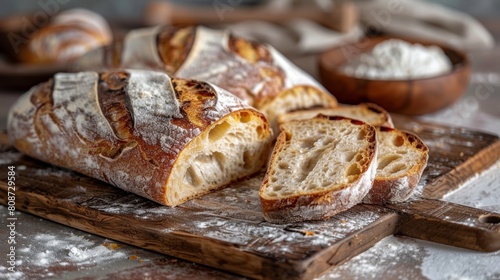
pixel 449 223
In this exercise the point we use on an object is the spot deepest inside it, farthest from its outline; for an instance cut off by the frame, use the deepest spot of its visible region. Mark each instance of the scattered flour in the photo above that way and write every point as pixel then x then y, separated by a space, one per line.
pixel 382 261
pixel 71 248
pixel 450 263
pixel 396 59
pixel 9 158
pixel 483 194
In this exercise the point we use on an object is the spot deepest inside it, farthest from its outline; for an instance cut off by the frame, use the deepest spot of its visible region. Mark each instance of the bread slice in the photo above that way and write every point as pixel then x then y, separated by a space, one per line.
pixel 366 112
pixel 318 168
pixel 401 160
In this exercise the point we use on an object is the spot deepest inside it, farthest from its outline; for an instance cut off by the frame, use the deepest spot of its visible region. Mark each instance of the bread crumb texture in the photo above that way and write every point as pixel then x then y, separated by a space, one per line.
pixel 318 156
pixel 319 167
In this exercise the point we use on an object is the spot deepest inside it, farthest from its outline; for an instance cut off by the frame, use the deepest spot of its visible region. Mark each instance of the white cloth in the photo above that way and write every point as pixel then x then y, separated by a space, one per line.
pixel 410 18
pixel 426 21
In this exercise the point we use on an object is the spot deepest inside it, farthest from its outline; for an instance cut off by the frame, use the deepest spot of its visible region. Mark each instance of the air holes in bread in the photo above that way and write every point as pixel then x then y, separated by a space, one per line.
pixel 312 187
pixel 277 188
pixel 361 135
pixel 245 117
pixel 352 170
pixel 383 162
pixel 309 164
pixel 283 165
pixel 397 167
pixel 348 156
pixel 309 142
pixel 398 141
pixel 191 177
pixel 261 131
pixel 218 131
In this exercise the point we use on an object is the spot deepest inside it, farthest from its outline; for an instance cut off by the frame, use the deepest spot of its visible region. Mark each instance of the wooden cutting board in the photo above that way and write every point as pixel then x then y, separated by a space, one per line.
pixel 225 229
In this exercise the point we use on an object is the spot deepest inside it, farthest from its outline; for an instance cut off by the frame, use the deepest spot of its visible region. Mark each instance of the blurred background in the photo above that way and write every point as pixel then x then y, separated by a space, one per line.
pixel 133 9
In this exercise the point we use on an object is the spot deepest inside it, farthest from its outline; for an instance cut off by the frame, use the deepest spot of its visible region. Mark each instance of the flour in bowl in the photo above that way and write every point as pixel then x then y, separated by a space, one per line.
pixel 396 59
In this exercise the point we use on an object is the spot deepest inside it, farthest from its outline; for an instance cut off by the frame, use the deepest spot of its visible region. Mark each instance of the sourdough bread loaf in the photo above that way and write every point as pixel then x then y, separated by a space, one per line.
pixel 319 167
pixel 167 139
pixel 401 160
pixel 254 72
pixel 67 36
pixel 367 112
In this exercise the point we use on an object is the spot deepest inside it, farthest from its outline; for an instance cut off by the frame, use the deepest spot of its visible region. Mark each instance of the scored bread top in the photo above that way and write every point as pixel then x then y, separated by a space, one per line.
pixel 319 167
pixel 126 127
pixel 255 72
pixel 367 112
pixel 401 160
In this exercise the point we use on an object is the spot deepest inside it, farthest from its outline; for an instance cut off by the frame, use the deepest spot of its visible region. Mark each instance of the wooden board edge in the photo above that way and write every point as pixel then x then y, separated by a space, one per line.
pixel 183 245
pixel 217 254
pixel 456 178
pixel 235 260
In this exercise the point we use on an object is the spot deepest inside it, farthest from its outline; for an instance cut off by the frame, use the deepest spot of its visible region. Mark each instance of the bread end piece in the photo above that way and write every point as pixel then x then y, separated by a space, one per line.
pixel 232 148
pixel 319 167
pixel 401 160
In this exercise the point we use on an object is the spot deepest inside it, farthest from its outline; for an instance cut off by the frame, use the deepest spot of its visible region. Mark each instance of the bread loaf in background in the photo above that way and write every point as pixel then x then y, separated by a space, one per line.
pixel 167 139
pixel 67 36
pixel 254 72
pixel 319 167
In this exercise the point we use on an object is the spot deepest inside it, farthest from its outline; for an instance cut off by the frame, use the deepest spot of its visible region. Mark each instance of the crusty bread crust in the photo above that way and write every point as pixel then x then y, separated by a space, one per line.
pixel 271 83
pixel 256 73
pixel 322 204
pixel 367 112
pixel 132 128
pixel 398 187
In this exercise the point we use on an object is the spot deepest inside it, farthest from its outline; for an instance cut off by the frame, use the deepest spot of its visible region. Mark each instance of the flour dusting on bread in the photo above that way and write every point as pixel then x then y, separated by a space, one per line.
pixel 167 139
pixel 140 49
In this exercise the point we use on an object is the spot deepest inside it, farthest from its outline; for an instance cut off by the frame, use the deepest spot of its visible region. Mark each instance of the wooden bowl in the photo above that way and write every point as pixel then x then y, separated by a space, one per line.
pixel 409 97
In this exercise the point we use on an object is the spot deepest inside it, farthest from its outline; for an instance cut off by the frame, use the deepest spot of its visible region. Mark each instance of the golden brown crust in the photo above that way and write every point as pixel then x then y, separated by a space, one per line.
pixel 174 45
pixel 249 69
pixel 250 51
pixel 254 72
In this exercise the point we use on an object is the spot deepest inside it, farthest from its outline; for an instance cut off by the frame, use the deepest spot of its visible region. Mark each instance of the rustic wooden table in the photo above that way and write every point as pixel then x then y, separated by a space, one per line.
pixel 48 250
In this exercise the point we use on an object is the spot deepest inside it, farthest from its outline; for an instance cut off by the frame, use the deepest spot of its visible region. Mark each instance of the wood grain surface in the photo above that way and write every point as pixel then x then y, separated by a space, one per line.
pixel 225 229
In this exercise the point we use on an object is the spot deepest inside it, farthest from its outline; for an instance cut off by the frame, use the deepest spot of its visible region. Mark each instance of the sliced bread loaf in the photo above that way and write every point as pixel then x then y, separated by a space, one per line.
pixel 367 112
pixel 318 168
pixel 401 160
